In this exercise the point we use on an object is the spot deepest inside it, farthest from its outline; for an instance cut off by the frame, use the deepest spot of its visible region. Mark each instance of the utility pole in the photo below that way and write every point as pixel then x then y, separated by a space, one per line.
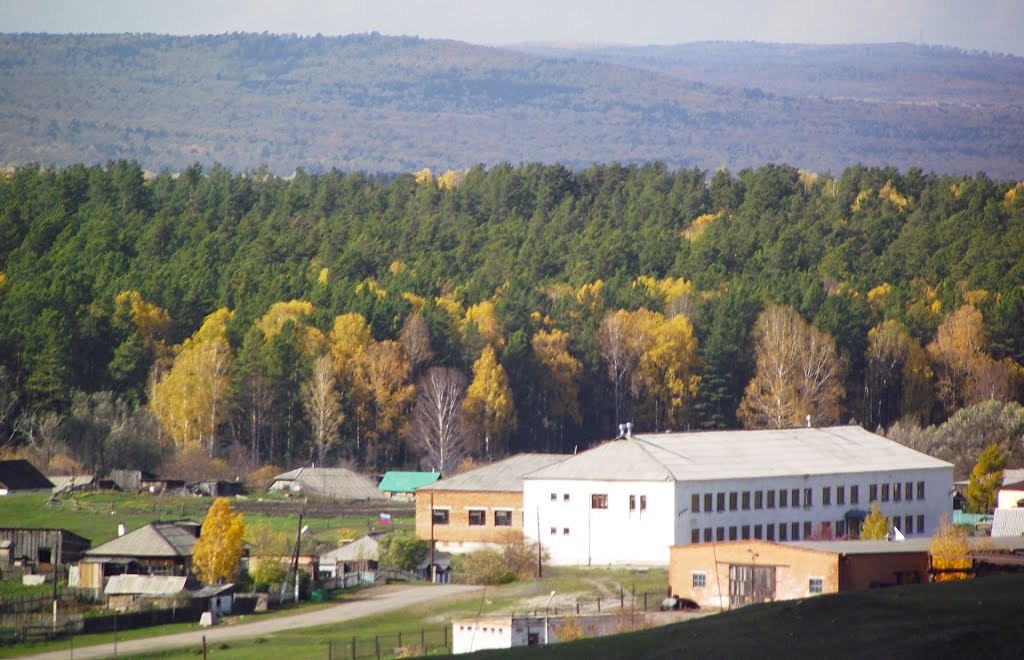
pixel 540 567
pixel 433 566
pixel 298 538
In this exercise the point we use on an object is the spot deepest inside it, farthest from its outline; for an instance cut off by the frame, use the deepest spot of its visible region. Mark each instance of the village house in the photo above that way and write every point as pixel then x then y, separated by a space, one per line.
pixel 38 549
pixel 159 548
pixel 400 485
pixel 478 508
pixel 359 556
pixel 335 483
pixel 629 500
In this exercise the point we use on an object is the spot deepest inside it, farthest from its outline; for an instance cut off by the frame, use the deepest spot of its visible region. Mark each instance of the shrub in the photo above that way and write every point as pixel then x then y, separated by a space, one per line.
pixel 402 551
pixel 483 567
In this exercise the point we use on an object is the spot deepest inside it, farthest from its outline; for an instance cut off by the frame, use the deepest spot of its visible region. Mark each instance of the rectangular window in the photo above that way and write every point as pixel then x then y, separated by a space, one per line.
pixel 758 534
pixel 840 495
pixel 910 525
pixel 554 496
pixel 732 533
pixel 795 498
pixel 565 531
pixel 707 502
pixel 758 499
pixel 872 493
pixel 783 497
pixel 782 532
pixel 771 499
pixel 826 496
pixel 840 528
pixel 440 516
pixel 885 492
pixel 699 580
pixel 598 501
pixel 694 536
pixel 553 531
pixel 733 499
pixel 897 492
pixel 720 534
pixel 708 535
pixel 694 503
pixel 854 494
pixel 502 518
pixel 814 586
pixel 632 502
pixel 769 531
pixel 565 497
pixel 909 489
pixel 477 517
pixel 807 529
pixel 720 503
pixel 643 503
pixel 826 530
pixel 745 532
pixel 920 525
pixel 746 500
pixel 807 498
pixel 896 524
pixel 920 490
pixel 794 531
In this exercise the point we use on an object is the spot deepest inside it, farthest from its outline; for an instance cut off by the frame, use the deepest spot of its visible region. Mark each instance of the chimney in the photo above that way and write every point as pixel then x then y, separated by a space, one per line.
pixel 120 529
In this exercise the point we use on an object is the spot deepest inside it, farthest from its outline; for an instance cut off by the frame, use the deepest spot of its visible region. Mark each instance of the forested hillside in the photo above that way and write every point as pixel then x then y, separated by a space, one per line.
pixel 397 104
pixel 284 320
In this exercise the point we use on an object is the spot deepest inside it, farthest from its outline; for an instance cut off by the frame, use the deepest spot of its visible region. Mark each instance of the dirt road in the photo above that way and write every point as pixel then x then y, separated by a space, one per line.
pixel 371 601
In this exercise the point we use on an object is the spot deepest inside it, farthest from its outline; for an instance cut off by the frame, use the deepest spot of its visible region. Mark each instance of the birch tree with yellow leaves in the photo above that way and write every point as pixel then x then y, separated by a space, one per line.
pixel 552 350
pixel 323 406
pixel 489 404
pixel 669 368
pixel 217 552
pixel 191 400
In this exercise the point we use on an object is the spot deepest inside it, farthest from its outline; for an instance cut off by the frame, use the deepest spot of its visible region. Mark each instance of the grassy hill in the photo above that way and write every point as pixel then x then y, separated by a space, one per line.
pixel 973 619
pixel 376 103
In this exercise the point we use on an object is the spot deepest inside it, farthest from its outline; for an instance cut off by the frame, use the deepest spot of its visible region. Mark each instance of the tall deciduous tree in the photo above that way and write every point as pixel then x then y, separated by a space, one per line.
pixel 876 525
pixel 986 479
pixel 323 406
pixel 218 550
pixel 415 339
pixel 669 369
pixel 191 400
pixel 489 403
pixel 798 373
pixel 898 376
pixel 439 425
pixel 385 372
pixel 624 338
pixel 552 351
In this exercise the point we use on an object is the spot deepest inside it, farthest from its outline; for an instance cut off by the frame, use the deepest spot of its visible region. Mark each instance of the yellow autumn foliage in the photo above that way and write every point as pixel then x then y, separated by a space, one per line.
pixel 700 225
pixel 862 196
pixel 489 402
pixel 297 312
pixel 807 178
pixel 889 194
pixel 449 303
pixel 950 552
pixel 370 286
pixel 397 267
pixel 1012 195
pixel 552 350
pixel 322 277
pixel 482 316
pixel 217 552
pixel 3 279
pixel 450 179
pixel 879 293
pixel 591 296
pixel 414 300
pixel 151 321
pixel 424 176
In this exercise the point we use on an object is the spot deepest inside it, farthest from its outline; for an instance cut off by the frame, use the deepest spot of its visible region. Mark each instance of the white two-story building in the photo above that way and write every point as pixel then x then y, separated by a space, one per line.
pixel 629 500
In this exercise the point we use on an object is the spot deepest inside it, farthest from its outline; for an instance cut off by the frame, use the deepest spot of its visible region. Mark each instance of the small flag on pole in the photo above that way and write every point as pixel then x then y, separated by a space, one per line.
pixel 384 519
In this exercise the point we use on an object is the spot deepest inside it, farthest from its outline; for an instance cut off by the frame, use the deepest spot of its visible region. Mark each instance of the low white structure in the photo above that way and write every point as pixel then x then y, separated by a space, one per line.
pixel 469 635
pixel 629 500
pixel 1011 493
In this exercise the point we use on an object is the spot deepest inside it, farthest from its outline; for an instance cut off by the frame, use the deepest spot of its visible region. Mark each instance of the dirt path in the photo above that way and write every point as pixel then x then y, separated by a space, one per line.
pixel 372 601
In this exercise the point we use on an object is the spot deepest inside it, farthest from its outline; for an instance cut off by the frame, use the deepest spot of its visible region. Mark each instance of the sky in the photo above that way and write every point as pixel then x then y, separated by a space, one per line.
pixel 990 25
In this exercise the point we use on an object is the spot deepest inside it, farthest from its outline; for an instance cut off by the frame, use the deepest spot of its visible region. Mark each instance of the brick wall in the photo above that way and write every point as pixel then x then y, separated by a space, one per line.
pixel 458 504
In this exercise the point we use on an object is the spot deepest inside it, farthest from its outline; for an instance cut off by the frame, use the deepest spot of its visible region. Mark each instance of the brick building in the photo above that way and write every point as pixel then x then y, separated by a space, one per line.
pixel 477 508
pixel 737 573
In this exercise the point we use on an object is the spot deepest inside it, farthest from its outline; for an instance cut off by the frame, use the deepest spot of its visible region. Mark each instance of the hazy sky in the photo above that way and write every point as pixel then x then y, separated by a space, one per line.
pixel 994 25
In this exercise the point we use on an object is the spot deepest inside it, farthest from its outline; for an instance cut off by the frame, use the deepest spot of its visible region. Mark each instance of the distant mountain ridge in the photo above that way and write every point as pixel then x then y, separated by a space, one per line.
pixel 378 103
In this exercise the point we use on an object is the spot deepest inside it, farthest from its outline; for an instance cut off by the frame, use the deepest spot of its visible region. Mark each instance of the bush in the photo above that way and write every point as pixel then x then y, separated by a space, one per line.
pixel 266 574
pixel 483 567
pixel 402 551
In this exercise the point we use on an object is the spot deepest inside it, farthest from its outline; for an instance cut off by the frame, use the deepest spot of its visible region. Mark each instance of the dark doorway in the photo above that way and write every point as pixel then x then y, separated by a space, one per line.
pixel 749 583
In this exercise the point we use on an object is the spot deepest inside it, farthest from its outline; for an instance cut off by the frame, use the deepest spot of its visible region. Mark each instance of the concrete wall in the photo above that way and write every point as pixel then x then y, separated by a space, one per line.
pixel 938 484
pixel 576 534
pixel 470 635
pixel 458 535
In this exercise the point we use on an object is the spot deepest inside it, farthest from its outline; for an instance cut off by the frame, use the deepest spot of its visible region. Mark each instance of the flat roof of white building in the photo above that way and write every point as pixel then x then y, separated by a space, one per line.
pixel 717 455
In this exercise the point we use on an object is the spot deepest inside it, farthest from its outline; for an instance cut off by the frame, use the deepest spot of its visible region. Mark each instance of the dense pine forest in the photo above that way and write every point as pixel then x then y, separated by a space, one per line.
pixel 260 319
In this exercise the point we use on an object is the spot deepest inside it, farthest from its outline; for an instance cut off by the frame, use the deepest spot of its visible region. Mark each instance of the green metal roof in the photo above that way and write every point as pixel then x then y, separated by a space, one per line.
pixel 406 482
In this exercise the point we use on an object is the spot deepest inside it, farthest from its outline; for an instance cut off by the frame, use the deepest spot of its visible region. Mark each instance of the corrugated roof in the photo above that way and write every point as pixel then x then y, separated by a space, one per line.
pixel 152 540
pixel 396 481
pixel 338 483
pixel 1008 522
pixel 145 585
pixel 866 547
pixel 364 548
pixel 740 455
pixel 501 476
pixel 19 474
pixel 62 482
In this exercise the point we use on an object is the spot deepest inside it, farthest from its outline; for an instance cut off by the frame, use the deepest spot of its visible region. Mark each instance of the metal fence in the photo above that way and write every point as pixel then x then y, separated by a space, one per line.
pixel 424 641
